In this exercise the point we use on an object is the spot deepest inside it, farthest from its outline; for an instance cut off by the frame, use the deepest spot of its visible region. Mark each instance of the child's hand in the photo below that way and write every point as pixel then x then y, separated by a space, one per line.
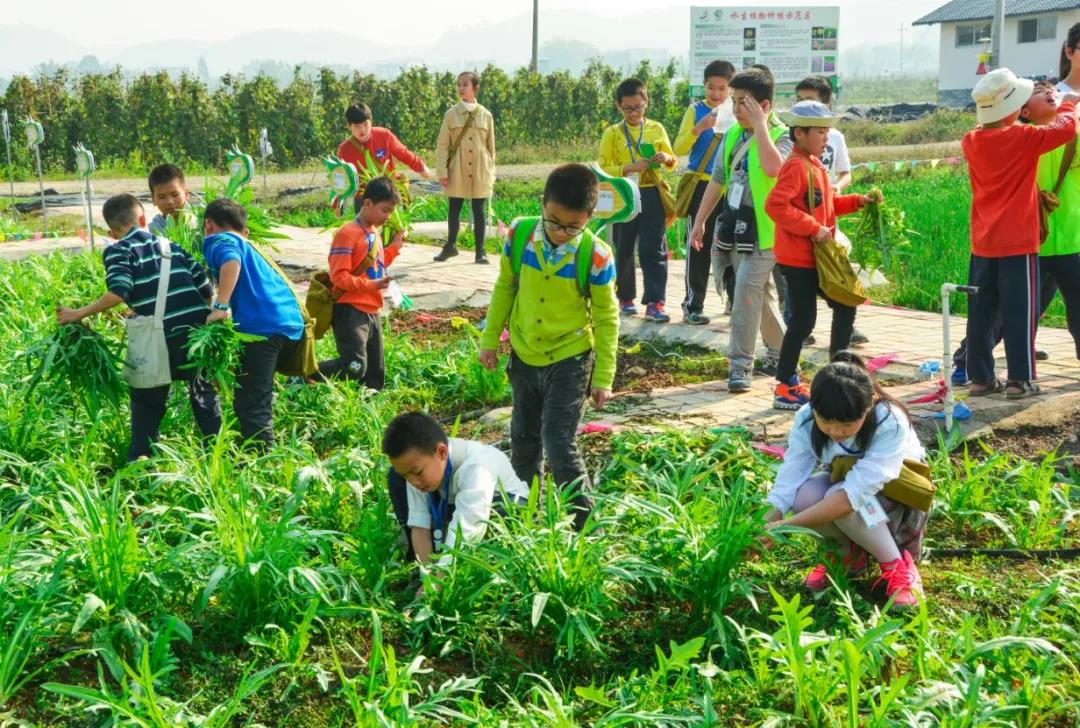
pixel 875 196
pixel 216 316
pixel 698 235
pixel 640 166
pixel 754 113
pixel 444 181
pixel 426 173
pixel 1070 99
pixel 398 240
pixel 600 397
pixel 489 358
pixel 382 283
pixel 821 235
pixel 707 122
pixel 660 158
pixel 66 315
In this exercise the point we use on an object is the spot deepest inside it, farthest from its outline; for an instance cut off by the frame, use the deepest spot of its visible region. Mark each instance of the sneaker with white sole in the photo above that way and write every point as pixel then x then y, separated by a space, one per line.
pixel 903 584
pixel 739 380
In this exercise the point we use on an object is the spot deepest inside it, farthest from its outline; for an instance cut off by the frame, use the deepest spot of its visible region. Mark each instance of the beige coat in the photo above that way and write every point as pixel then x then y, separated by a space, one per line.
pixel 472 170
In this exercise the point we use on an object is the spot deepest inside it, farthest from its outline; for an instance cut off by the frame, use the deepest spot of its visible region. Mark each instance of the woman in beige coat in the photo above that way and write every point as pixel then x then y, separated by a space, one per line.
pixel 465 156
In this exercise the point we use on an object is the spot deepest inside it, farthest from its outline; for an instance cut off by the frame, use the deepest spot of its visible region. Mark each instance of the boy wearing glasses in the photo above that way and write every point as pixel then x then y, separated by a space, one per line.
pixel 639 148
pixel 563 318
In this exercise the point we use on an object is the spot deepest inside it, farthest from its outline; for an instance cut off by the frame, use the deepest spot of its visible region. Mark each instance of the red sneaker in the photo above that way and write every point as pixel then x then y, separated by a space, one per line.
pixel 855 562
pixel 902 582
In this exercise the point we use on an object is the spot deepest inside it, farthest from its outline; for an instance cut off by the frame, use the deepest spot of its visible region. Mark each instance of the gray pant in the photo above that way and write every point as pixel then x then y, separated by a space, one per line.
pixel 754 308
pixel 548 403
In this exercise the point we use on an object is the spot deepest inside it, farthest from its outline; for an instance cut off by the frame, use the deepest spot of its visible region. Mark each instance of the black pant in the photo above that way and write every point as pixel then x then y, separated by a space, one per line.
pixel 478 221
pixel 253 402
pixel 802 292
pixel 548 403
pixel 1055 272
pixel 358 336
pixel 646 231
pixel 1006 306
pixel 148 409
pixel 698 262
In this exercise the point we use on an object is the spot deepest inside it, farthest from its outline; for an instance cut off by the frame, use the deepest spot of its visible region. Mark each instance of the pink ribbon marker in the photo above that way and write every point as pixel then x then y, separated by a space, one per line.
pixel 880 362
pixel 591 428
pixel 425 318
pixel 776 451
pixel 505 336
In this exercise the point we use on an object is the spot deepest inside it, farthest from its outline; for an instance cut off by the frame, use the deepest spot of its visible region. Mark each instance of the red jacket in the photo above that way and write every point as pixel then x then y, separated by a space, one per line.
pixel 1002 163
pixel 788 206
pixel 348 252
pixel 384 148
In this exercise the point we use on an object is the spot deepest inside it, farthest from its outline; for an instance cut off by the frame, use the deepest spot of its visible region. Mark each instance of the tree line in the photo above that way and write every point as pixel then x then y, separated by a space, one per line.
pixel 132 124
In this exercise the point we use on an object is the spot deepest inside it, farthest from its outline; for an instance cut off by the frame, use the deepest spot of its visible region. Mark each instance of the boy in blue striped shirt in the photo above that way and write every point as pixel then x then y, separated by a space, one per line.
pixel 132 271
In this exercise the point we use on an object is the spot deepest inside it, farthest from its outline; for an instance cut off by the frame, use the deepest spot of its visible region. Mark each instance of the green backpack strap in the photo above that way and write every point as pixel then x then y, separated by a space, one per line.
pixel 523 231
pixel 583 263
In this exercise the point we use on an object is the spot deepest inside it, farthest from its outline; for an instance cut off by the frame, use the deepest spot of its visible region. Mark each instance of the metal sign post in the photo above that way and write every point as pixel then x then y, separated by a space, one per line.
pixel 35 135
pixel 84 167
pixel 265 150
pixel 7 146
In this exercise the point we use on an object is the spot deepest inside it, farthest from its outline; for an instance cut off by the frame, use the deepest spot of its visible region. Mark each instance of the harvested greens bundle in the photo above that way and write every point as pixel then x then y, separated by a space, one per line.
pixel 881 237
pixel 213 352
pixel 78 357
pixel 401 218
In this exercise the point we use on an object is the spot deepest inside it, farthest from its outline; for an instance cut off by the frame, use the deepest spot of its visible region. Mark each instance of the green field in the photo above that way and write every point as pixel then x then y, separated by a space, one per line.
pixel 220 588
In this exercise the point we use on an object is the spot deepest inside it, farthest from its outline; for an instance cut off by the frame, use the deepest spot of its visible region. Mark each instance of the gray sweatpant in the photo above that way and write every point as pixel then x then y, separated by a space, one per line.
pixel 754 308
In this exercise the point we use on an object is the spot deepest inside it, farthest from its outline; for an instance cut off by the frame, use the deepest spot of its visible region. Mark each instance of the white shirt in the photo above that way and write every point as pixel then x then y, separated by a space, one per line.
pixel 894 441
pixel 479 474
pixel 725 116
pixel 1064 88
pixel 835 157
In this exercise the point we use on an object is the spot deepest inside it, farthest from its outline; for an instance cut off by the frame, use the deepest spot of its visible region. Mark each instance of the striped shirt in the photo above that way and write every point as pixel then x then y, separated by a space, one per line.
pixel 132 271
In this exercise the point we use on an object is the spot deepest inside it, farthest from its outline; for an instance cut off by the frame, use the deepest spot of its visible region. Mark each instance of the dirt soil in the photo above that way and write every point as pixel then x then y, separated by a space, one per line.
pixel 1058 430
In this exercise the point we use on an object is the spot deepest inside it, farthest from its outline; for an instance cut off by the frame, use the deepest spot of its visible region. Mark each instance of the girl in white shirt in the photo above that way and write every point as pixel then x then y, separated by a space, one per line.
pixel 849 414
pixel 1069 63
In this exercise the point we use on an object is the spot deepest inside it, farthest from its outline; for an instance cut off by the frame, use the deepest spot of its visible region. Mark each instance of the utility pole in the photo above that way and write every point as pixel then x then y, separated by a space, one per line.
pixel 996 32
pixel 535 65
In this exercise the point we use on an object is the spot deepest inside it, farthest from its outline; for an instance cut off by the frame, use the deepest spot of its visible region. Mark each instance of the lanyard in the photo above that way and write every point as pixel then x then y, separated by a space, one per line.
pixel 849 450
pixel 630 146
pixel 439 510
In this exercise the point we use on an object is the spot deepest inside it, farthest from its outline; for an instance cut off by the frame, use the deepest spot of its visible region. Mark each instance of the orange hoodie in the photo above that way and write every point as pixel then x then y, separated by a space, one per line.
pixel 348 252
pixel 789 206
pixel 1003 163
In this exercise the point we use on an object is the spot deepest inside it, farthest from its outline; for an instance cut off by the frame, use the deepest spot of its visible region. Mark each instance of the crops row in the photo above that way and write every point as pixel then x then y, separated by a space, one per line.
pixel 210 587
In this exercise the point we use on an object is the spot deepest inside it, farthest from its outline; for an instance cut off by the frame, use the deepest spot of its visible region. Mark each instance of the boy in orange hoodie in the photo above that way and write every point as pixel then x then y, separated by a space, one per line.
pixel 358 263
pixel 1003 159
pixel 803 217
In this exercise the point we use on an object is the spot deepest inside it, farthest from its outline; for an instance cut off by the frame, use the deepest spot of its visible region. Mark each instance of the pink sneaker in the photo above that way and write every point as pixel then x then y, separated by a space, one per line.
pixel 856 562
pixel 902 582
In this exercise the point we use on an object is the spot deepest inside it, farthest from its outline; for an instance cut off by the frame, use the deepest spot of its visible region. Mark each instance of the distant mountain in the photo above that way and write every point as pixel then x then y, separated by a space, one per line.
pixel 24 46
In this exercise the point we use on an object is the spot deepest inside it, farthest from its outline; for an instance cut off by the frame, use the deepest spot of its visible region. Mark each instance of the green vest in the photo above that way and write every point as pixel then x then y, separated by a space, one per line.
pixel 1064 231
pixel 760 183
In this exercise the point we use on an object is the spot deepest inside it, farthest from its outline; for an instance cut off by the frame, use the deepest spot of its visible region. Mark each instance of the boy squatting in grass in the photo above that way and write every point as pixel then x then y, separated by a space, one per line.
pixel 753 153
pixel 383 146
pixel 1003 159
pixel 1059 255
pixel 850 415
pixel 556 335
pixel 444 489
pixel 702 128
pixel 806 216
pixel 621 156
pixel 261 302
pixel 132 272
pixel 169 192
pixel 358 270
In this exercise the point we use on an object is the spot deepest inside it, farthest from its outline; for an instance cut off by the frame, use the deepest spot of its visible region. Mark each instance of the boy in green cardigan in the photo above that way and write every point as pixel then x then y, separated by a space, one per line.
pixel 556 289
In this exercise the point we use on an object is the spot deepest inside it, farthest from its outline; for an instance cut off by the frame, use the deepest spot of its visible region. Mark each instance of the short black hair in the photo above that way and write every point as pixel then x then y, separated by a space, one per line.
pixel 719 69
pixel 163 174
pixel 121 212
pixel 766 70
pixel 412 431
pixel 357 113
pixel 227 213
pixel 630 87
pixel 756 82
pixel 473 78
pixel 573 186
pixel 381 189
pixel 819 85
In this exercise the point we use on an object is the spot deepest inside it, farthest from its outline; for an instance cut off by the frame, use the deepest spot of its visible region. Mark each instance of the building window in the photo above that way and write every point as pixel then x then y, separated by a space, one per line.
pixel 969 34
pixel 1033 30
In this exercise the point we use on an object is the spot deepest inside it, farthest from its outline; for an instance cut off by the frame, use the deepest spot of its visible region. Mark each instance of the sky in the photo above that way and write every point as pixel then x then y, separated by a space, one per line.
pixel 96 24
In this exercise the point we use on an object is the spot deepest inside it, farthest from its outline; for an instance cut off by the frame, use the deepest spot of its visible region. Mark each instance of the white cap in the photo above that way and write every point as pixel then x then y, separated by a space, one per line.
pixel 999 94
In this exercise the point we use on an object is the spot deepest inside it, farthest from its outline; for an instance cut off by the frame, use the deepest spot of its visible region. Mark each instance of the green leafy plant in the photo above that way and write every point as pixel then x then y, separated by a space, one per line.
pixel 214 352
pixel 82 360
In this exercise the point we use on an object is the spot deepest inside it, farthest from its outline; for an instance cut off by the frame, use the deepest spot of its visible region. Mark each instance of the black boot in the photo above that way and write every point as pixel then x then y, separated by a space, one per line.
pixel 448 252
pixel 481 257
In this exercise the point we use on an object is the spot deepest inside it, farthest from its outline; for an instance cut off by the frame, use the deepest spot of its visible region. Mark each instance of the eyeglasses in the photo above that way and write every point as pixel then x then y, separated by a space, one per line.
pixel 557 227
pixel 632 109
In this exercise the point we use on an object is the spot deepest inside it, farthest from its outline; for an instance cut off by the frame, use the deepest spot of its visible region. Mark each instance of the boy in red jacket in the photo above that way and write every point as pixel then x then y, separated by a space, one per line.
pixel 358 263
pixel 805 216
pixel 381 143
pixel 1003 159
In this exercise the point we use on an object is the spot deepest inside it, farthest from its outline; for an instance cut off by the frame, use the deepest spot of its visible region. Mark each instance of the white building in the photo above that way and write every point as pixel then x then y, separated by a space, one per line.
pixel 1030 44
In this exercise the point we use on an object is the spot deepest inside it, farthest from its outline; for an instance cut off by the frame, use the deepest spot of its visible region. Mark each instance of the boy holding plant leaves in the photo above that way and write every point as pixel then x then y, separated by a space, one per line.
pixel 132 273
pixel 383 146
pixel 169 192
pixel 556 290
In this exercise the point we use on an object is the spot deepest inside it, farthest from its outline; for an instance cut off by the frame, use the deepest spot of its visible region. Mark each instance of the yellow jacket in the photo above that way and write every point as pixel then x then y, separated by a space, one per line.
pixel 615 152
pixel 472 170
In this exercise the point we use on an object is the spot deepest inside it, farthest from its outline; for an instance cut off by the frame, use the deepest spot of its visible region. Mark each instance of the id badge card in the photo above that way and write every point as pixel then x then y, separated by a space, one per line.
pixel 735 195
pixel 872 513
